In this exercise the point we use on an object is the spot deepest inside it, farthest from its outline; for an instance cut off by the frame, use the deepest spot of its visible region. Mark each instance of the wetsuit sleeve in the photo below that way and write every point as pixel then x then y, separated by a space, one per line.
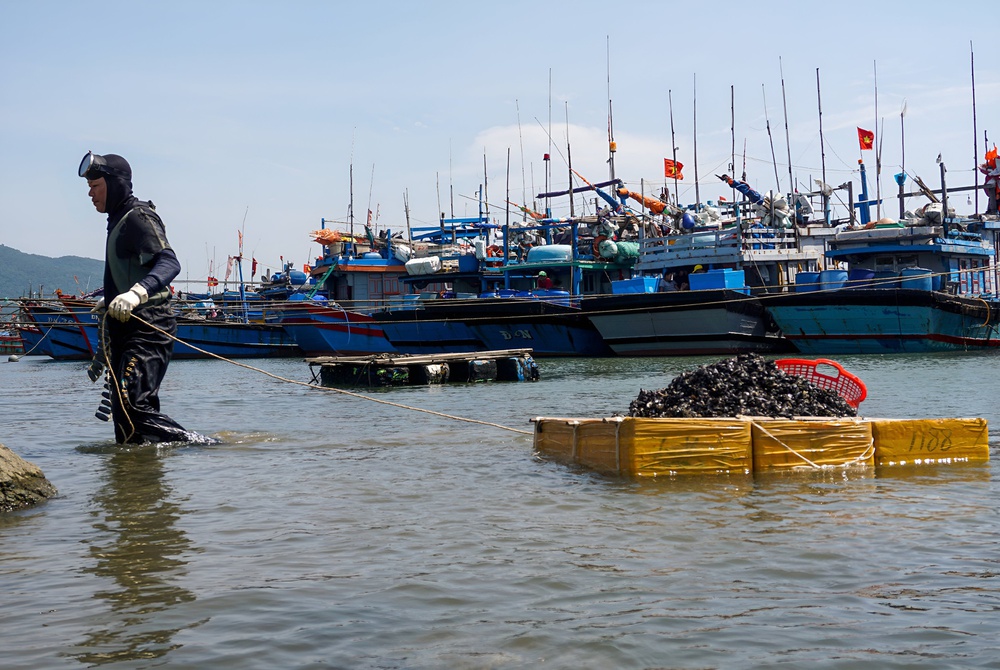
pixel 146 238
pixel 165 268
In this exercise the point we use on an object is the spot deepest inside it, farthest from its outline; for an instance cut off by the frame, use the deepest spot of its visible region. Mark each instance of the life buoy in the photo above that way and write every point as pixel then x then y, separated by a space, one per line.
pixel 494 255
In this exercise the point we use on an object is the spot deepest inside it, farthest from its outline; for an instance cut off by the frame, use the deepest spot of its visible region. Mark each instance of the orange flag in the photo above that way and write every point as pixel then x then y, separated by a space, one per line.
pixel 672 168
pixel 866 139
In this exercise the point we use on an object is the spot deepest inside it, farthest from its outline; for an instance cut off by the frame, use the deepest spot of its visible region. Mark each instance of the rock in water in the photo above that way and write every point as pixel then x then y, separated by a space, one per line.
pixel 747 385
pixel 22 484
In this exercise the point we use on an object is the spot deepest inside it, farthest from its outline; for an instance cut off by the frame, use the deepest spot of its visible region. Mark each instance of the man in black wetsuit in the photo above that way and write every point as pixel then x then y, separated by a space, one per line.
pixel 139 266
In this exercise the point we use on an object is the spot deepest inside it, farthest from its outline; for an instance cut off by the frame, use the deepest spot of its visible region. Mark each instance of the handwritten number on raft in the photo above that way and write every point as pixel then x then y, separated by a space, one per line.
pixel 933 440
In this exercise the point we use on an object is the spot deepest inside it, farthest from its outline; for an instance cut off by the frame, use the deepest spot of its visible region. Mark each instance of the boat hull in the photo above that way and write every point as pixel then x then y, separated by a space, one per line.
pixel 548 328
pixel 885 321
pixel 684 323
pixel 324 330
pixel 72 334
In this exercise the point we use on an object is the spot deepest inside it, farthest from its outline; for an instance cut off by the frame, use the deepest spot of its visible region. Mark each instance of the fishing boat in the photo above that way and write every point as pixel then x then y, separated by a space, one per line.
pixel 926 283
pixel 699 275
pixel 493 300
pixel 67 330
pixel 360 273
pixel 466 285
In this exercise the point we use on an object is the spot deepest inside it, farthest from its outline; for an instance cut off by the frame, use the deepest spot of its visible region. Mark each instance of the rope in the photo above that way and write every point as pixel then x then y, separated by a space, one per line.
pixel 105 350
pixel 335 390
pixel 869 451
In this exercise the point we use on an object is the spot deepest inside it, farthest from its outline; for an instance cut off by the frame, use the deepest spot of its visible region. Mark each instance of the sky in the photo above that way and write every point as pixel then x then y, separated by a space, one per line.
pixel 269 117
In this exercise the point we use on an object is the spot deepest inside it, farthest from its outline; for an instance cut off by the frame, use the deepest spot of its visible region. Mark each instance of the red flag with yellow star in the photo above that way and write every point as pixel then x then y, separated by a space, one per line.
pixel 672 168
pixel 866 138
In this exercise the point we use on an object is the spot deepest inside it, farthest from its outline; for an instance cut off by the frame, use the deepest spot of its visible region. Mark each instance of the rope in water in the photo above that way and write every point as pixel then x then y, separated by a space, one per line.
pixel 334 390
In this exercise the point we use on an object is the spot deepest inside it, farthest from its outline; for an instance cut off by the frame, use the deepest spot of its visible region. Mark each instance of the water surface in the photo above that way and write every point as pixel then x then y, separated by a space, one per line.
pixel 329 531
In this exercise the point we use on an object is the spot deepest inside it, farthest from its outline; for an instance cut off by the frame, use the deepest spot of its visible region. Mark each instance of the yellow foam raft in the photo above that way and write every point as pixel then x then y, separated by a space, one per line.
pixel 657 447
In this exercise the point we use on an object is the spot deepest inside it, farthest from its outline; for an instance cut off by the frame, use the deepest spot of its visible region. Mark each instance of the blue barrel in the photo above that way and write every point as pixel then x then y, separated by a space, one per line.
pixel 806 281
pixel 860 278
pixel 917 278
pixel 831 280
pixel 886 279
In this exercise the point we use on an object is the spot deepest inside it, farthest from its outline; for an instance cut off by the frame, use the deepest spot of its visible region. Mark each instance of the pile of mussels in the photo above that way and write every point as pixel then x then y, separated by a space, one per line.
pixel 747 385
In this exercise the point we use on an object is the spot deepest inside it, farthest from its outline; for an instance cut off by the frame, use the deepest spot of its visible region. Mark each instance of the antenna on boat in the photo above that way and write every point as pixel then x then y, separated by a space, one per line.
pixel 612 146
pixel 788 144
pixel 770 139
pixel 451 182
pixel 673 142
pixel 822 154
pixel 697 192
pixel 975 130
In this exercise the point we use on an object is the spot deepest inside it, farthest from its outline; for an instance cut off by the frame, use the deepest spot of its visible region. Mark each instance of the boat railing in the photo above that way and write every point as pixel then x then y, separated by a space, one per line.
pixel 721 246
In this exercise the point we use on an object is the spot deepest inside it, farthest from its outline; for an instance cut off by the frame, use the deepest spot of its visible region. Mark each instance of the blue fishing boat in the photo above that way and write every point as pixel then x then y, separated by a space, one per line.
pixel 700 271
pixel 67 330
pixel 463 287
pixel 493 300
pixel 926 283
pixel 353 278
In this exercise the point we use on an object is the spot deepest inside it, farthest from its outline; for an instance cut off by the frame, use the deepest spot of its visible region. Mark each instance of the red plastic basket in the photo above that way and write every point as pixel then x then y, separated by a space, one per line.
pixel 826 374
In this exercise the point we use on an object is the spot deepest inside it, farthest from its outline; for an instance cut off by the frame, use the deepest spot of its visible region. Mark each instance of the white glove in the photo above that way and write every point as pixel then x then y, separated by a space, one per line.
pixel 122 306
pixel 99 307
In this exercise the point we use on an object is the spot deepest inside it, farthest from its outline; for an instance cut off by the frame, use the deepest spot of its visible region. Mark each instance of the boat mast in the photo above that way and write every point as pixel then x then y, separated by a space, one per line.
pixel 788 144
pixel 770 139
pixel 612 146
pixel 673 141
pixel 697 192
pixel 547 158
pixel 406 210
pixel 822 154
pixel 524 191
pixel 901 177
pixel 737 211
pixel 569 162
pixel 878 150
pixel 975 131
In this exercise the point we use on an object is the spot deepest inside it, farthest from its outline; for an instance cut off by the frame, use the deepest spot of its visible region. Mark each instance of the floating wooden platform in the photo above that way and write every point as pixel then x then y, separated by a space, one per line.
pixel 642 447
pixel 421 369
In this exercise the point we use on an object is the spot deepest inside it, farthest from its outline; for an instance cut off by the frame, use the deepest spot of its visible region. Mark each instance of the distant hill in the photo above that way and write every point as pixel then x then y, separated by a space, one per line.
pixel 21 273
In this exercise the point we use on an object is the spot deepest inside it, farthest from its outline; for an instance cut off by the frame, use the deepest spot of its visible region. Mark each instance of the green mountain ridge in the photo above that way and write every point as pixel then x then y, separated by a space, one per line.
pixel 24 274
